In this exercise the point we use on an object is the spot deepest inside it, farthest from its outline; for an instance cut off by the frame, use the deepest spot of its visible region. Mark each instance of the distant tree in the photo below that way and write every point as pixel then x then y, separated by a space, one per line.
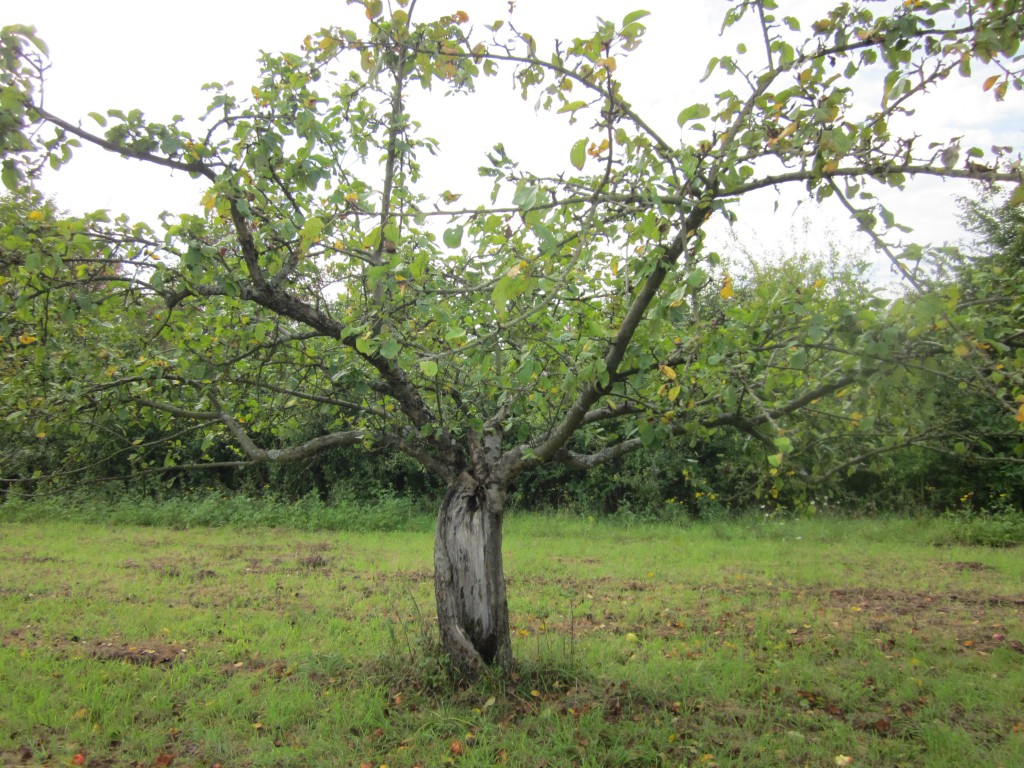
pixel 481 338
pixel 977 379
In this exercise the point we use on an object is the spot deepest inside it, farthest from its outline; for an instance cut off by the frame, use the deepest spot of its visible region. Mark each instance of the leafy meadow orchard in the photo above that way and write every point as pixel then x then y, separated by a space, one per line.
pixel 320 305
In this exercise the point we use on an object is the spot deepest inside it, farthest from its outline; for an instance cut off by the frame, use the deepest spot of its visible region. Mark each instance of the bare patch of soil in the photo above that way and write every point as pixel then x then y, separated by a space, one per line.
pixel 968 618
pixel 22 756
pixel 968 566
pixel 155 653
pixel 148 654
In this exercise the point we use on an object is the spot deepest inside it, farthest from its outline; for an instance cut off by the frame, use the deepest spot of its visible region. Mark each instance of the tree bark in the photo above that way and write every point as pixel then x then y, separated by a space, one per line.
pixel 469 578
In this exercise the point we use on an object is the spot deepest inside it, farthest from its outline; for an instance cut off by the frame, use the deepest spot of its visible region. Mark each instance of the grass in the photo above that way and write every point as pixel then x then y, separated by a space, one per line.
pixel 750 643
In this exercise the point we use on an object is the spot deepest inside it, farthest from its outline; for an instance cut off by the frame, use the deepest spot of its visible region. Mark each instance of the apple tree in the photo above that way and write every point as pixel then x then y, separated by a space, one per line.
pixel 486 338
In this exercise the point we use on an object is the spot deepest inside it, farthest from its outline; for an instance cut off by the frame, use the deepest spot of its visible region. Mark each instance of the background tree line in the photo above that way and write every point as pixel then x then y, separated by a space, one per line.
pixel 953 447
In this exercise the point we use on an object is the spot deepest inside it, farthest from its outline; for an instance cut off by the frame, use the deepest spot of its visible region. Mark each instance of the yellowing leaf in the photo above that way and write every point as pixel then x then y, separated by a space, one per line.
pixel 596 151
pixel 667 371
pixel 209 200
pixel 1020 414
pixel 819 283
pixel 961 350
pixel 727 291
pixel 786 132
pixel 989 82
pixel 40 435
pixel 608 63
pixel 36 216
pixel 26 339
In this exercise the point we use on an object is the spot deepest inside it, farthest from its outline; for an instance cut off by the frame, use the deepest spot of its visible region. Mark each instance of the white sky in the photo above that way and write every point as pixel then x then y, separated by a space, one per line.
pixel 156 56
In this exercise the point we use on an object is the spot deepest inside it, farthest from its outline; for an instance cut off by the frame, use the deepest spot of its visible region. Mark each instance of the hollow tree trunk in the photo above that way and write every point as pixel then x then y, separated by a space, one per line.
pixel 469 579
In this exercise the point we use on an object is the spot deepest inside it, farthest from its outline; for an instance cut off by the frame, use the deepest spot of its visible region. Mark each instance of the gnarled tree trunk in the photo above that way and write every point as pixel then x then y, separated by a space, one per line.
pixel 469 579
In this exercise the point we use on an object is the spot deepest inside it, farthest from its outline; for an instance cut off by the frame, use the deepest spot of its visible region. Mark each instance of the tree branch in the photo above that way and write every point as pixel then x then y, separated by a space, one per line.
pixel 194 166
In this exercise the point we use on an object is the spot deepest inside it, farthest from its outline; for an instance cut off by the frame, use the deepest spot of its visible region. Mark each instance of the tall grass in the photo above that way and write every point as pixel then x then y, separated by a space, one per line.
pixel 215 509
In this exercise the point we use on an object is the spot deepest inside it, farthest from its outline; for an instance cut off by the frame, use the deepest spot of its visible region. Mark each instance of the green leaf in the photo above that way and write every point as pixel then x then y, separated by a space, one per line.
pixel 419 264
pixel 648 434
pixel 526 196
pixel 629 18
pixel 29 33
pixel 817 334
pixel 711 68
pixel 453 237
pixel 578 154
pixel 429 368
pixel 693 112
pixel 572 106
pixel 502 292
pixel 454 334
pixel 390 349
pixel 1017 198
pixel 372 238
pixel 11 175
pixel 366 345
pixel 310 232
pixel 696 278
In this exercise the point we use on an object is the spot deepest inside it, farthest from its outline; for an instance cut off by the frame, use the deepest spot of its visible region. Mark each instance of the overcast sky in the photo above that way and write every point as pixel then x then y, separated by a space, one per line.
pixel 156 56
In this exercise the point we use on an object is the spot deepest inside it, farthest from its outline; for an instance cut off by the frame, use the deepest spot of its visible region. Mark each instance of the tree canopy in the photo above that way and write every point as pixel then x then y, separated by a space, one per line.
pixel 486 338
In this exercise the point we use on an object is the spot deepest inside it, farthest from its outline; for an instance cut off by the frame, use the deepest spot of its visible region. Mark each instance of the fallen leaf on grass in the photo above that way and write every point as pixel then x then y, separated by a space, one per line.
pixel 842 760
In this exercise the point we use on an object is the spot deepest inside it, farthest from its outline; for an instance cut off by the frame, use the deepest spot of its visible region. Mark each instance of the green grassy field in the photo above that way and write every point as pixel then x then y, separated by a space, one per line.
pixel 748 644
